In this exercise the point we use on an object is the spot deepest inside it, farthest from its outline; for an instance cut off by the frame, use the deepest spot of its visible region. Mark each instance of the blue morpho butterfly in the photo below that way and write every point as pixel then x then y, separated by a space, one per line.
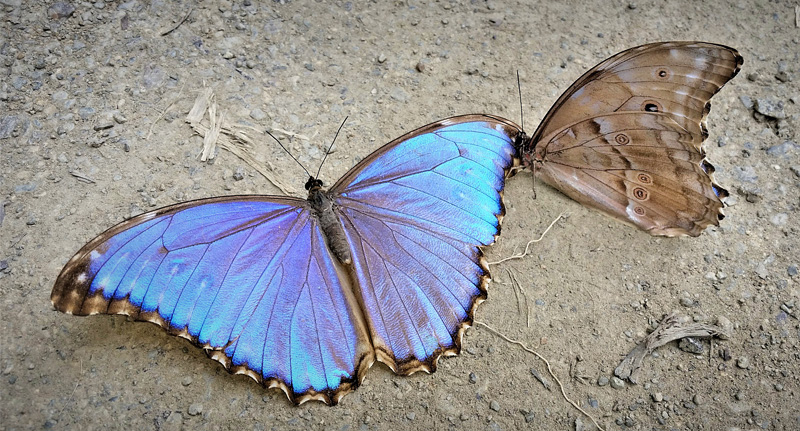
pixel 304 295
pixel 626 138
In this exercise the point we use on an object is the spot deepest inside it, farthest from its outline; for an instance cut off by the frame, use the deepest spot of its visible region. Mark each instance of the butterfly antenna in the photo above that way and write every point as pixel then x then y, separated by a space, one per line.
pixel 329 148
pixel 288 152
pixel 519 88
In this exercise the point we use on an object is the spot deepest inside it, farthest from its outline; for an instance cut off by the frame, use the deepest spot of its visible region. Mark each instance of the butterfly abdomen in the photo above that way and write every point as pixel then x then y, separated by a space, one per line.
pixel 323 210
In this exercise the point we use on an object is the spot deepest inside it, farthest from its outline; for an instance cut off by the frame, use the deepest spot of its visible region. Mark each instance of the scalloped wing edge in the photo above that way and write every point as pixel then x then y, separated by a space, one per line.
pixel 93 303
pixel 411 366
pixel 124 307
pixel 723 192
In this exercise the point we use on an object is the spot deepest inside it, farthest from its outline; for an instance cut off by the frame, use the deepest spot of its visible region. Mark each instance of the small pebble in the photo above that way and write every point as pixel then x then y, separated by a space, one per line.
pixel 657 397
pixel 103 126
pixel 783 149
pixel 399 94
pixel 698 399
pixel 770 108
pixel 494 405
pixel 743 362
pixel 381 58
pixel 174 420
pixel 691 345
pixel 60 10
pixel 195 409
pixel 186 381
pixel 540 378
pixel 617 383
pixel 746 101
pixel 602 381
pixel 411 416
pixel 473 378
pixel 257 114
pixel 529 415
pixel 86 112
pixel 783 76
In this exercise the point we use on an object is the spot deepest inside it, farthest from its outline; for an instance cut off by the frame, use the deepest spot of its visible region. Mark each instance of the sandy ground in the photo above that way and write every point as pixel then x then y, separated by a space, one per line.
pixel 92 102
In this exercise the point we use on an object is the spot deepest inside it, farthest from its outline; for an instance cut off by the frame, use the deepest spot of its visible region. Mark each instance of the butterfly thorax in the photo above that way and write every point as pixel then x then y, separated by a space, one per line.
pixel 323 208
pixel 527 151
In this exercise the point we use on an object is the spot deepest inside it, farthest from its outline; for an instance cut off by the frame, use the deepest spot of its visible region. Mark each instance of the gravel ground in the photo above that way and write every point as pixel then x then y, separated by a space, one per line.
pixel 93 97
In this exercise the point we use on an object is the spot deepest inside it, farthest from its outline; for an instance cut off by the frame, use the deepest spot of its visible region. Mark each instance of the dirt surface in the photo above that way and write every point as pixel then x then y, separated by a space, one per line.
pixel 93 97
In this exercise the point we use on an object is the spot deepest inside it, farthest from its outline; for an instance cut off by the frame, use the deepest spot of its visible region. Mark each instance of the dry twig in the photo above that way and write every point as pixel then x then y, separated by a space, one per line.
pixel 549 369
pixel 82 177
pixel 217 133
pixel 519 291
pixel 164 112
pixel 671 328
pixel 523 254
pixel 166 32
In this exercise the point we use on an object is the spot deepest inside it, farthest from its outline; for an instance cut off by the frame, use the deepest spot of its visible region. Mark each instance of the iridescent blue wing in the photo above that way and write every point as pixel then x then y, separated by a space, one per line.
pixel 248 278
pixel 416 213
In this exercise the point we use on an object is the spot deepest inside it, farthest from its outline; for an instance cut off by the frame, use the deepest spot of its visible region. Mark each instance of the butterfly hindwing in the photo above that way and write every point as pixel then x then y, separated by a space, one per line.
pixel 416 214
pixel 643 169
pixel 247 278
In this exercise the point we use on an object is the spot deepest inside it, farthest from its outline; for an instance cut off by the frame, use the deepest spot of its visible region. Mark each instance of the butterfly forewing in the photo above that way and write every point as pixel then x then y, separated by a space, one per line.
pixel 678 77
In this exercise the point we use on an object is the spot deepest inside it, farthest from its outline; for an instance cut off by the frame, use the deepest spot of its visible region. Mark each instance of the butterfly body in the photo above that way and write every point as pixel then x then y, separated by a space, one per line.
pixel 323 208
pixel 626 138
